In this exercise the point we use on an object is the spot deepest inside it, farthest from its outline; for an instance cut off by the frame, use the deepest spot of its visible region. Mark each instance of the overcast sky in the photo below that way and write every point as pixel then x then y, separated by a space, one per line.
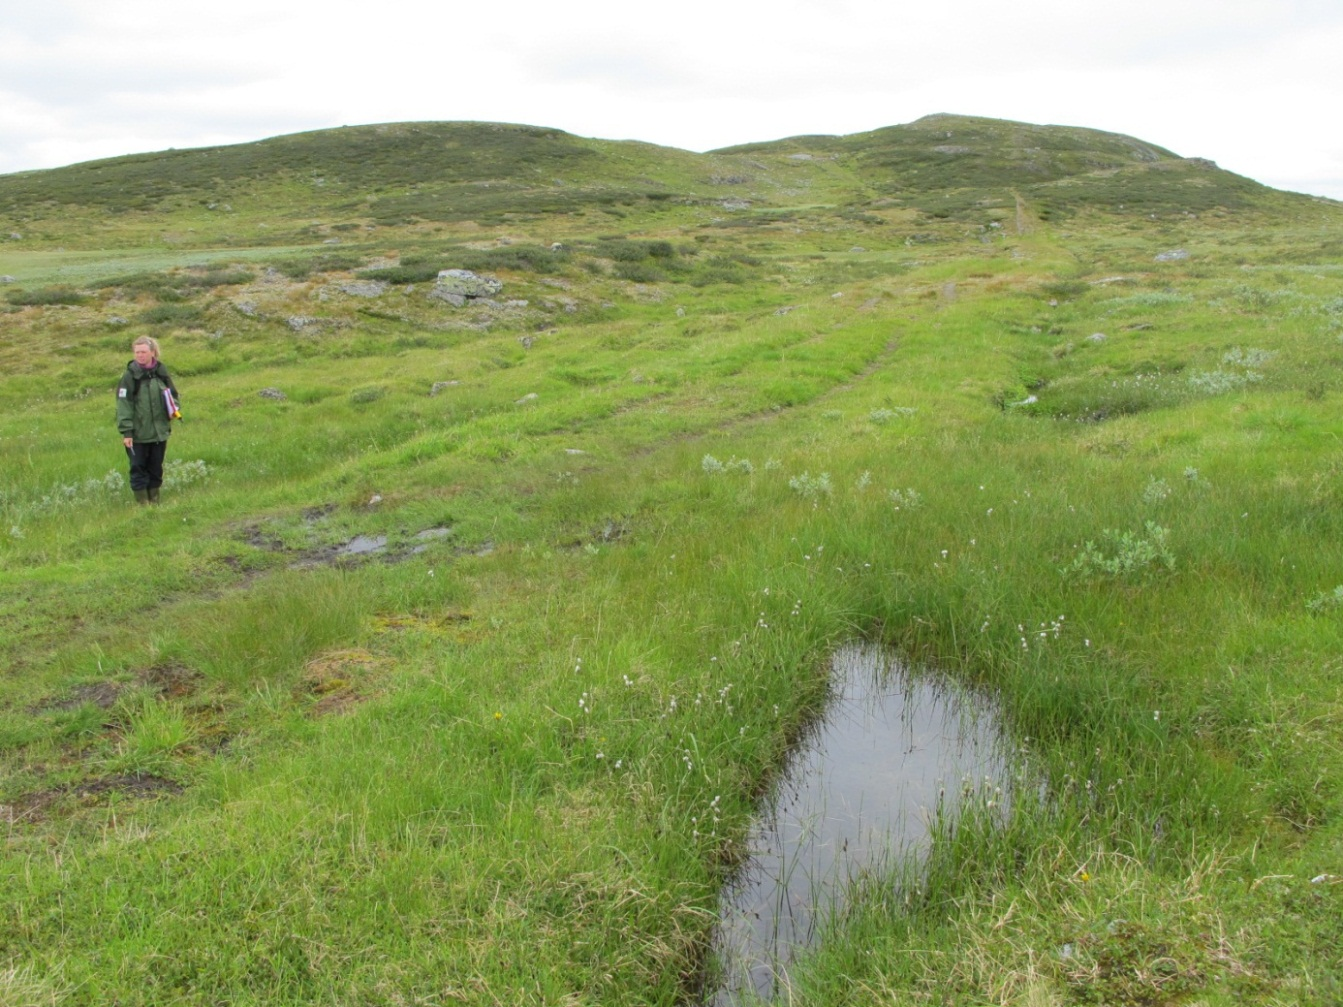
pixel 1255 85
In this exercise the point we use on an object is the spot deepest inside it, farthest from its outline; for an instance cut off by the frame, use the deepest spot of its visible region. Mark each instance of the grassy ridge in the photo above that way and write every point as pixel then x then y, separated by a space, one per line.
pixel 511 756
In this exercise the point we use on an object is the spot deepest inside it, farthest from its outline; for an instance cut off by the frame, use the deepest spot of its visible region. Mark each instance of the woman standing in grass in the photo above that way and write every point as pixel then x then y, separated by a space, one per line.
pixel 146 407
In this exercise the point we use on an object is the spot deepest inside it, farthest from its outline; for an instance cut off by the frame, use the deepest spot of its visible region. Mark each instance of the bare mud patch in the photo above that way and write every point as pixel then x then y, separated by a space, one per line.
pixel 172 679
pixel 310 542
pixel 41 805
pixel 339 680
pixel 103 695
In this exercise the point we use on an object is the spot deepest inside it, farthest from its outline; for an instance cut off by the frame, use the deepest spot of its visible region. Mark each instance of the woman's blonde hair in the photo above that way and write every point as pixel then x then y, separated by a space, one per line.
pixel 149 341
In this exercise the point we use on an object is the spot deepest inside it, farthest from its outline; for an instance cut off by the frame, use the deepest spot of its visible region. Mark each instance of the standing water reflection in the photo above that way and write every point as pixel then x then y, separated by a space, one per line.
pixel 892 751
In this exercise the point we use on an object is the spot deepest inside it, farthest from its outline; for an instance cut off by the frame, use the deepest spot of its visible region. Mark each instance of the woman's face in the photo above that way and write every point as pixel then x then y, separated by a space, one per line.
pixel 144 356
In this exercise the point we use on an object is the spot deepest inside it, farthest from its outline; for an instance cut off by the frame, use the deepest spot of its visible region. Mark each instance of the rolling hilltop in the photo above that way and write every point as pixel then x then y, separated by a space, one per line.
pixel 399 202
pixel 526 484
pixel 362 178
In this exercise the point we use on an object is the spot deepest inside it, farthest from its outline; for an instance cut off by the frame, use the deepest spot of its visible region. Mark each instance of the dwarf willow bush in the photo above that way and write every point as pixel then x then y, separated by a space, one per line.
pixel 811 487
pixel 16 504
pixel 1326 601
pixel 1125 554
pixel 1156 491
pixel 178 473
pixel 885 415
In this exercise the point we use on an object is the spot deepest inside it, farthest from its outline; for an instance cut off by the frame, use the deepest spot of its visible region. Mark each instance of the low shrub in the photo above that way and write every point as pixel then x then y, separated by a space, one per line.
pixel 1129 554
pixel 520 258
pixel 639 272
pixel 216 278
pixel 402 274
pixel 172 314
pixel 625 250
pixel 45 296
pixel 367 394
pixel 302 268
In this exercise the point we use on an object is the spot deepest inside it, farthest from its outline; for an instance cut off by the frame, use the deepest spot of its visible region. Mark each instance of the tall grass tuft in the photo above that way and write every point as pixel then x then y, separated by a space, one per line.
pixel 267 635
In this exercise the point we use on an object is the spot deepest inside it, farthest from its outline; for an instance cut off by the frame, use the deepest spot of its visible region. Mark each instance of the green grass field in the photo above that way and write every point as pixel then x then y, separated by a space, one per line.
pixel 1055 413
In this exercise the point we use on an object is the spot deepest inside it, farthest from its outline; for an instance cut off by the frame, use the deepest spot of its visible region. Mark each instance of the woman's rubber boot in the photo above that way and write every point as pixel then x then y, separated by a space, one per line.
pixel 153 494
pixel 141 496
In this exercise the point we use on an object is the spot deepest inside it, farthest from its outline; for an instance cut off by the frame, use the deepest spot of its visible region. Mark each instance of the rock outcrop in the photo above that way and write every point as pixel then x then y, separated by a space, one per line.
pixel 460 286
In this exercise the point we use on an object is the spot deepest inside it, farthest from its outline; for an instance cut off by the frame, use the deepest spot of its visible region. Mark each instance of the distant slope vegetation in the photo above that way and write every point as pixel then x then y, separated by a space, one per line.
pixel 388 174
pixel 948 151
pixel 971 163
pixel 946 167
pixel 367 157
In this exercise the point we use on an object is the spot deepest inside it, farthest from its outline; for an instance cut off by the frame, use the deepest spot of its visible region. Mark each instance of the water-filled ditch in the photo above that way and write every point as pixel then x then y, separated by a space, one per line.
pixel 893 749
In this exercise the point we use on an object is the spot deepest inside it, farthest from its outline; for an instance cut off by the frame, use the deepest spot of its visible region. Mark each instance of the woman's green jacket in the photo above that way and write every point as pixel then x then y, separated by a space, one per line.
pixel 142 413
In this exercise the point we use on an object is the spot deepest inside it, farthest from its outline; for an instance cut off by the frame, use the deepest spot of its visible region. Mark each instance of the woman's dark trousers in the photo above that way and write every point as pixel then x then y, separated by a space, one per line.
pixel 146 458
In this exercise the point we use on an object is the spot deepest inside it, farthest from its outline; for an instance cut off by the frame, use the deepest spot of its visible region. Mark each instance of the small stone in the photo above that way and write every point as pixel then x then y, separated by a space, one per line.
pixel 1096 337
pixel 362 288
pixel 529 397
pixel 438 386
pixel 1174 255
pixel 274 394
pixel 7 279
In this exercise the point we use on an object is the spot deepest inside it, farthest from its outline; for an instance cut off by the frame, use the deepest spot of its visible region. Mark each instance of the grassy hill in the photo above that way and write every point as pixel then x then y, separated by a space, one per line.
pixel 468 635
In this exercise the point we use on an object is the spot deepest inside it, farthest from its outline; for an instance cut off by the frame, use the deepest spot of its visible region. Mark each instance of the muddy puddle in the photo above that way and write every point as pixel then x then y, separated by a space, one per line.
pixel 362 545
pixel 893 748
